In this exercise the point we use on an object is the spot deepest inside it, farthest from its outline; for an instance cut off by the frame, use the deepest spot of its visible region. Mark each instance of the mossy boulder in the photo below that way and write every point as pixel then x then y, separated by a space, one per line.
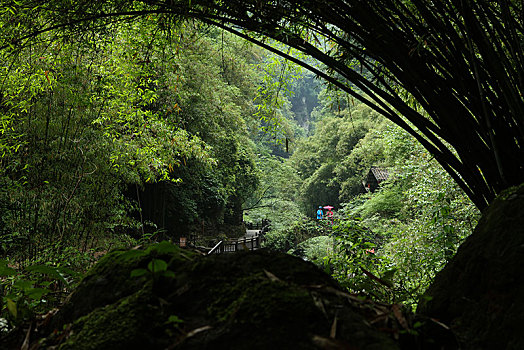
pixel 256 300
pixel 121 325
pixel 109 280
pixel 264 300
pixel 480 292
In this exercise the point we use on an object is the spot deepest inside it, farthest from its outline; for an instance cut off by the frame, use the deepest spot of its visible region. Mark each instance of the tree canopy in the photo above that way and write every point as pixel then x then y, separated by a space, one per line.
pixel 448 72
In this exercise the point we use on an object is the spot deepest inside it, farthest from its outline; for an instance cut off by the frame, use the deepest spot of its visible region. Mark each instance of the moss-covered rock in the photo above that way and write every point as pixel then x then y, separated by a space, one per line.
pixel 265 300
pixel 479 292
pixel 256 300
pixel 164 297
pixel 109 280
pixel 124 324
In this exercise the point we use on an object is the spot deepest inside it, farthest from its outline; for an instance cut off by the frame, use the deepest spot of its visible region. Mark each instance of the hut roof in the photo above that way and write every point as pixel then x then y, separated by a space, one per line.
pixel 380 174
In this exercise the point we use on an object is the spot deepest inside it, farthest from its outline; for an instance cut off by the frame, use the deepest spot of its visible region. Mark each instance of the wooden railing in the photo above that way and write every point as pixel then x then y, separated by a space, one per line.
pixel 258 225
pixel 246 243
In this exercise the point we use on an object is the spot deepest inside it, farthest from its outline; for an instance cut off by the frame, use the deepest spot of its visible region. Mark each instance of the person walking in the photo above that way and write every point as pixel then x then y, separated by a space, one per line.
pixel 329 216
pixel 320 213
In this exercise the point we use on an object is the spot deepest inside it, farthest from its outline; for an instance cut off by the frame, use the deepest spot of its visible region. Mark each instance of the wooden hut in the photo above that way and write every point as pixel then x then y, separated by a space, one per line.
pixel 375 176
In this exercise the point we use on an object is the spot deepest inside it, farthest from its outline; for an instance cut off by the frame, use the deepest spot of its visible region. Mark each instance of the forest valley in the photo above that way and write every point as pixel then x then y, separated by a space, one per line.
pixel 142 131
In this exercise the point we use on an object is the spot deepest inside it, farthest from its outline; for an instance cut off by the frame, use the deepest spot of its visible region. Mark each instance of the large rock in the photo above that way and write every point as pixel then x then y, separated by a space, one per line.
pixel 255 300
pixel 480 293
pixel 109 280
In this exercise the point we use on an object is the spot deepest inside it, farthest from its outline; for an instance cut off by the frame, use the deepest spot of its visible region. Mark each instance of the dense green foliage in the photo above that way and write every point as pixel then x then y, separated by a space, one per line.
pixel 413 223
pixel 449 74
pixel 320 159
pixel 88 122
pixel 114 140
pixel 213 89
pixel 152 128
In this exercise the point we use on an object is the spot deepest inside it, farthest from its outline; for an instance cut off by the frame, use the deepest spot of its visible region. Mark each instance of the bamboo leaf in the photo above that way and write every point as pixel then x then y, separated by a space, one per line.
pixel 11 306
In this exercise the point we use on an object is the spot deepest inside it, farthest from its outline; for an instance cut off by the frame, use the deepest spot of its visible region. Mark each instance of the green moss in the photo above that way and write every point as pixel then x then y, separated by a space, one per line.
pixel 127 260
pixel 511 192
pixel 109 280
pixel 122 325
pixel 255 299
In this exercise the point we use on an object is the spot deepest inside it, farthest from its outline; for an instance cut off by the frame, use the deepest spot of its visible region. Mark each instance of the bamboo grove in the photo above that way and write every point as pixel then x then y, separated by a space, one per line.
pixel 448 72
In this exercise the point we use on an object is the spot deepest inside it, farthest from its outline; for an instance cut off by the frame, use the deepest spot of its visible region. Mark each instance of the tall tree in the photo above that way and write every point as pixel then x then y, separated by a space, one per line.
pixel 448 72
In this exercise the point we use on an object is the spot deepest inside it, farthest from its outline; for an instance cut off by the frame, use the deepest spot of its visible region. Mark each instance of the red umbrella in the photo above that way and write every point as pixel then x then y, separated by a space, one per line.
pixel 328 207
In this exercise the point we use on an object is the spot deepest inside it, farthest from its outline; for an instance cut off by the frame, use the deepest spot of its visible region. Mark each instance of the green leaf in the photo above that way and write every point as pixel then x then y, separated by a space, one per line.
pixel 65 270
pixel 169 274
pixel 37 293
pixel 139 272
pixel 49 271
pixel 45 269
pixel 132 254
pixel 6 270
pixel 157 265
pixel 174 319
pixel 389 274
pixel 23 284
pixel 417 324
pixel 164 247
pixel 11 306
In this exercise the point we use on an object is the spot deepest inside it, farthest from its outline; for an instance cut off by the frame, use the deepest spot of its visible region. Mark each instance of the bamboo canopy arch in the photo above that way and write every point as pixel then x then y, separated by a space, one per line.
pixel 449 72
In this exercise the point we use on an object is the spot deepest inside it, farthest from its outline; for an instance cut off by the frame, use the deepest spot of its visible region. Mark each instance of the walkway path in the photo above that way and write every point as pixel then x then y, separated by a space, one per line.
pixel 252 233
pixel 251 241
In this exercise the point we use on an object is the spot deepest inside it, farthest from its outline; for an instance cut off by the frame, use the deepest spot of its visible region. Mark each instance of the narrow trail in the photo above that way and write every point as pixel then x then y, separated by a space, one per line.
pixel 251 241
pixel 252 233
